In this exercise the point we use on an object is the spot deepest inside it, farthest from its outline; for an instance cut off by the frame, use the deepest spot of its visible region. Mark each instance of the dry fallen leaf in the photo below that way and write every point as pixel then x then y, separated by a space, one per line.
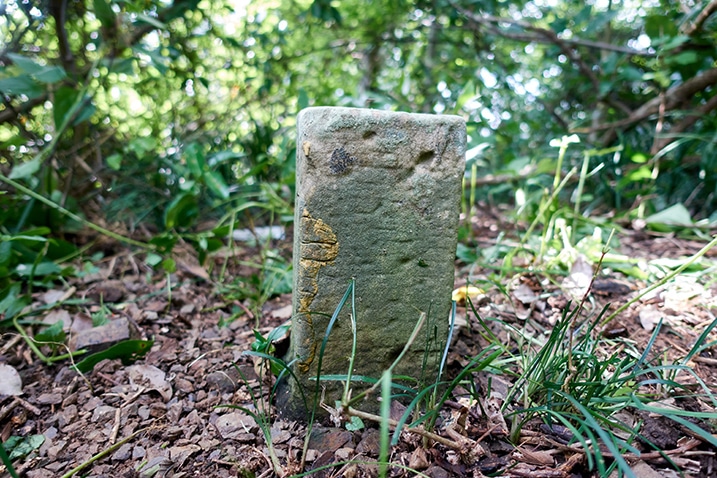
pixel 576 284
pixel 150 377
pixel 10 381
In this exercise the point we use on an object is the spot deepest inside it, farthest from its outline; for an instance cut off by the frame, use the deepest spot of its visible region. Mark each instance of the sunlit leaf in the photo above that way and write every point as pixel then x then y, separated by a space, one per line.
pixel 22 446
pixel 128 351
pixel 26 169
pixel 104 13
pixel 676 215
pixel 53 333
pixel 114 161
pixel 181 212
pixel 142 18
pixel 216 184
pixel 194 157
pixel 21 85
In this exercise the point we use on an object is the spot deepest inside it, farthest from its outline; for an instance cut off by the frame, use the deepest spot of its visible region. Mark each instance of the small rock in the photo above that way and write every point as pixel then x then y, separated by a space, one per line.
pixel 418 460
pixel 54 451
pixel 369 444
pixel 329 439
pixel 108 291
pixel 280 436
pixel 40 473
pixel 183 385
pixel 138 452
pixel 67 415
pixel 103 337
pixel 157 409
pixel 221 381
pixel 123 453
pixel 343 454
pixel 437 472
pixel 150 377
pixel 105 412
pixel 172 433
pixel 234 424
pixel 50 398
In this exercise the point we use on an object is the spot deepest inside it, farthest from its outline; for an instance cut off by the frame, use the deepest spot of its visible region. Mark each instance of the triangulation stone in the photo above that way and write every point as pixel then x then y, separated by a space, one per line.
pixel 377 200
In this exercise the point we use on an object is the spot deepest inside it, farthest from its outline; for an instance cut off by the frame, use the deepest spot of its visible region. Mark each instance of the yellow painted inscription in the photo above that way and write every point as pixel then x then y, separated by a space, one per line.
pixel 318 247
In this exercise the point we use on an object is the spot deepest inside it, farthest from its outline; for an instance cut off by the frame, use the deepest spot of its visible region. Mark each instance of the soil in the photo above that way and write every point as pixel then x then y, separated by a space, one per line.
pixel 189 406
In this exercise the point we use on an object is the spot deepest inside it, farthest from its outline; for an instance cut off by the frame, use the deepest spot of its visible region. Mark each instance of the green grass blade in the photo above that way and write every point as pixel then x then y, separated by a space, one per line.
pixel 385 417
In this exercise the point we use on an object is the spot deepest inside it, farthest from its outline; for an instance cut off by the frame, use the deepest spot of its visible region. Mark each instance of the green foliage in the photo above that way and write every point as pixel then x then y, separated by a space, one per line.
pixel 18 447
pixel 265 345
pixel 158 110
pixel 6 461
pixel 127 350
pixel 571 381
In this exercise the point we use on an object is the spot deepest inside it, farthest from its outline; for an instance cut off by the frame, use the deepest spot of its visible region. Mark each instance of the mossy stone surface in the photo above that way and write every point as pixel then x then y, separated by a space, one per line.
pixel 377 200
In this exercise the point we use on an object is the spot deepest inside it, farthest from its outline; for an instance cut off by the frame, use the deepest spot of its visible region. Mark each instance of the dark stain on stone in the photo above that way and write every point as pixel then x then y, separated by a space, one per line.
pixel 340 160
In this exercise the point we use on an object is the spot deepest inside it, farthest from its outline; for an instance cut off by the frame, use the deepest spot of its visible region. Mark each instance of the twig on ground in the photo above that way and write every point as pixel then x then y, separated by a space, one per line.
pixel 418 431
pixel 103 453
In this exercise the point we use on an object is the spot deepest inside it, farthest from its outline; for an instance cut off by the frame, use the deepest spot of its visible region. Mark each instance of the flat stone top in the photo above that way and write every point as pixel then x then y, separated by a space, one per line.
pixel 338 117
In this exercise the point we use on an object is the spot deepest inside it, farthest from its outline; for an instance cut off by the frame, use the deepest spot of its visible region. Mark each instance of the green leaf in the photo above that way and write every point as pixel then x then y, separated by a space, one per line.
pixel 11 297
pixel 5 252
pixel 355 424
pixel 223 157
pixel 41 270
pixel 675 42
pixel 114 161
pixel 65 98
pixel 26 169
pixel 676 215
pixel 194 157
pixel 23 446
pixel 125 65
pixel 104 13
pixel 685 58
pixel 142 18
pixel 181 212
pixel 50 74
pixel 152 259
pixel 169 265
pixel 21 85
pixel 141 145
pixel 27 65
pixel 53 333
pixel 303 100
pixel 128 351
pixel 216 184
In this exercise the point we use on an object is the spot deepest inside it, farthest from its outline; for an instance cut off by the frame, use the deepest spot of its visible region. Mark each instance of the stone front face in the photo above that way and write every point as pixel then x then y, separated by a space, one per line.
pixel 377 200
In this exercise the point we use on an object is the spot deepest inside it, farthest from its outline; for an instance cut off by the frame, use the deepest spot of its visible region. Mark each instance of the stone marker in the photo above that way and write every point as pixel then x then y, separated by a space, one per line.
pixel 377 200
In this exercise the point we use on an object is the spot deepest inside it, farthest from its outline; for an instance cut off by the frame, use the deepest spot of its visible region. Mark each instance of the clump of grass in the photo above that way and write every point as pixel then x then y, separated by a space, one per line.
pixel 572 381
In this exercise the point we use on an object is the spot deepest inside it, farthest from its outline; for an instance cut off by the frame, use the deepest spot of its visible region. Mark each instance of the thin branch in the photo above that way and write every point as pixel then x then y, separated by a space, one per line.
pixel 417 430
pixel 689 120
pixel 544 35
pixel 673 98
pixel 692 28
pixel 59 13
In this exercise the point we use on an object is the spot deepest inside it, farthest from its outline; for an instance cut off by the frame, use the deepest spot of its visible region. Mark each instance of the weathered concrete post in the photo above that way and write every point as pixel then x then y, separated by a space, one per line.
pixel 377 199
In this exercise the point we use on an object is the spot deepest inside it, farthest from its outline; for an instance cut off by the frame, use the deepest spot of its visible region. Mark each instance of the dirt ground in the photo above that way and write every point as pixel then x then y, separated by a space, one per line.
pixel 163 416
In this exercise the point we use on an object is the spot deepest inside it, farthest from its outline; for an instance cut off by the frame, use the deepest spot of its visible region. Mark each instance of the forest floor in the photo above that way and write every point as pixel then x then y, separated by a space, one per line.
pixel 163 415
